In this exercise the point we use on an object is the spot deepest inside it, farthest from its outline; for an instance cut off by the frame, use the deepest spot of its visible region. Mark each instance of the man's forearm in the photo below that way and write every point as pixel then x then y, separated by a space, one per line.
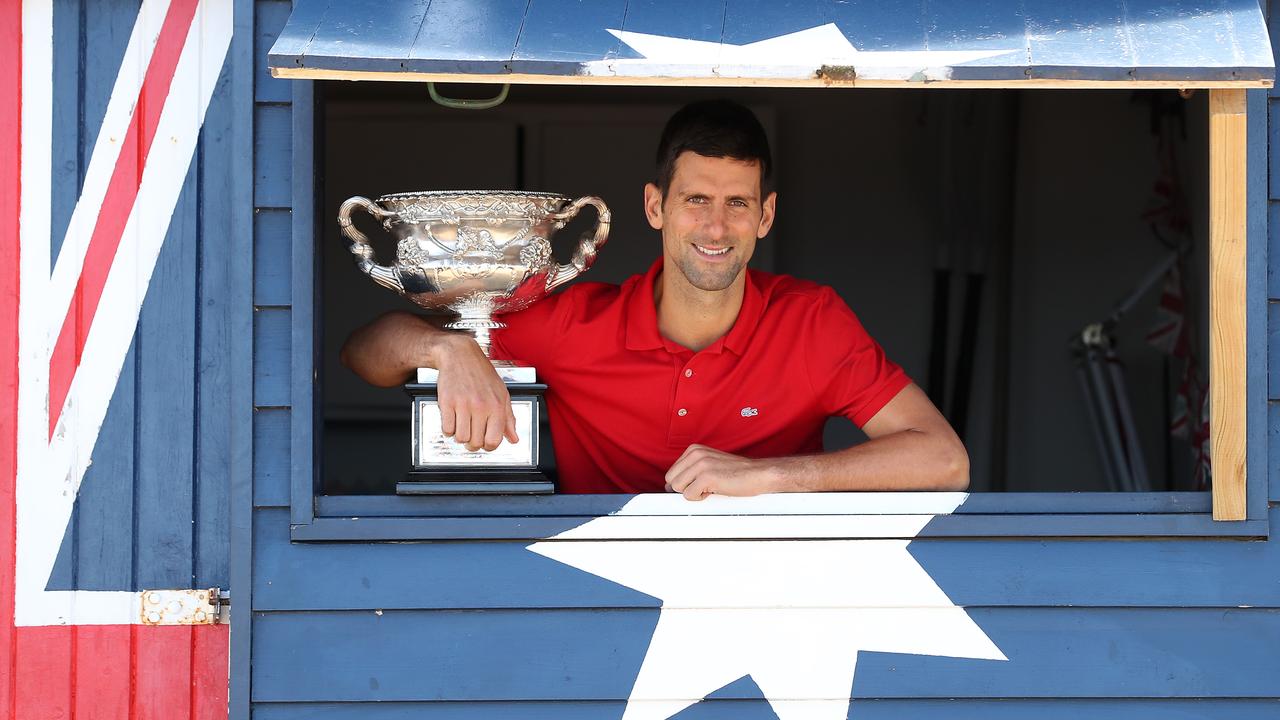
pixel 388 350
pixel 906 460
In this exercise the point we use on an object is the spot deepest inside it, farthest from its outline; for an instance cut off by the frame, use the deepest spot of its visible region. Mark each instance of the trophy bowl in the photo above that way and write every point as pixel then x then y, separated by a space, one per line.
pixel 474 253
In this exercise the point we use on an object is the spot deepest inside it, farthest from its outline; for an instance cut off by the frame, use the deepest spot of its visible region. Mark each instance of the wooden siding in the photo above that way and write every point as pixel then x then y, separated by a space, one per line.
pixel 153 507
pixel 1138 628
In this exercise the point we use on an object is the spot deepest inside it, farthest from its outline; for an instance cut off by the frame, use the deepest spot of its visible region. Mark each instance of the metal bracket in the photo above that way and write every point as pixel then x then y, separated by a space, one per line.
pixel 183 607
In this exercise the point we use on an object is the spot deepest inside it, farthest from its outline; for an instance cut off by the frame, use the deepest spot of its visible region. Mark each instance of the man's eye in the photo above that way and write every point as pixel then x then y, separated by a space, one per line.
pixel 697 199
pixel 738 203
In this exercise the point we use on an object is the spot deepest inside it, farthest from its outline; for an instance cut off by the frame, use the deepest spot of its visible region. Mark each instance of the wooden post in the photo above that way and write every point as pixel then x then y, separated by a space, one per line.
pixel 1227 224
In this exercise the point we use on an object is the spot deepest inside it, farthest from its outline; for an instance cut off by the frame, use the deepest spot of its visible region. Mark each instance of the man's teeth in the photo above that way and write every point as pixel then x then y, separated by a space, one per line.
pixel 709 251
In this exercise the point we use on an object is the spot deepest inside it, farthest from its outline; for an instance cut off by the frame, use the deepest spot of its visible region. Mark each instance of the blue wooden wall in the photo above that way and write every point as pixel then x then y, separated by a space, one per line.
pixel 1102 628
pixel 153 507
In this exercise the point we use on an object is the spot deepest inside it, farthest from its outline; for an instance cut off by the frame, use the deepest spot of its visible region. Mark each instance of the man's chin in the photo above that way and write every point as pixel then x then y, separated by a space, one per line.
pixel 709 280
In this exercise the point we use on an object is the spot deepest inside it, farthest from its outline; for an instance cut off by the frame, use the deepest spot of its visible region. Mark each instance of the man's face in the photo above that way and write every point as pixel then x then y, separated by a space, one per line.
pixel 710 218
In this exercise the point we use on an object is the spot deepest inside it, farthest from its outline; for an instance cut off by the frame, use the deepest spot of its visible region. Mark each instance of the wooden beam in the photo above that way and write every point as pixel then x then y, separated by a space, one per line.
pixel 304 73
pixel 1227 238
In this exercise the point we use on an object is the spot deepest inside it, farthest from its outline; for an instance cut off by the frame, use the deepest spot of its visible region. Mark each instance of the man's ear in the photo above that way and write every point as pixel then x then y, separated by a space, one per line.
pixel 767 209
pixel 653 205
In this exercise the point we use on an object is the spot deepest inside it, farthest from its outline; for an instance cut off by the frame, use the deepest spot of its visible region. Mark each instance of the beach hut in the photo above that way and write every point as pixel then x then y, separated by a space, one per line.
pixel 198 505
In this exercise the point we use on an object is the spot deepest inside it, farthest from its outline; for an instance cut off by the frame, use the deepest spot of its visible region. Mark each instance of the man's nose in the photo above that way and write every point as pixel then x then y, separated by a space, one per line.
pixel 716 223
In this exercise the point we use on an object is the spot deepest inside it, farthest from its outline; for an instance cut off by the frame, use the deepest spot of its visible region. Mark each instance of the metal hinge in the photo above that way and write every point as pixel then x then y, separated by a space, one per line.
pixel 185 607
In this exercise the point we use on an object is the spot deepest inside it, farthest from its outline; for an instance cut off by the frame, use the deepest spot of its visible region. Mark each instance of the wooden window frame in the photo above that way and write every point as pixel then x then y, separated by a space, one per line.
pixel 1227 513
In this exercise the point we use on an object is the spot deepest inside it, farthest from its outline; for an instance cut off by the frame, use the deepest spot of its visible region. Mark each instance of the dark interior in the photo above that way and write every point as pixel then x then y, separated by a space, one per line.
pixel 1057 204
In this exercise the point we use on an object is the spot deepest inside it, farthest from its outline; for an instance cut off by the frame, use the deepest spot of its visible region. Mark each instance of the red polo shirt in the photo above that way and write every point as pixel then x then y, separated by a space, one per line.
pixel 625 402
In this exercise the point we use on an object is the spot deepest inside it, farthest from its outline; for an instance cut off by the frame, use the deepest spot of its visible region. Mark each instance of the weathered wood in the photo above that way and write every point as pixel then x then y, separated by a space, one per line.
pixel 1273 441
pixel 855 503
pixel 272 156
pixel 269 18
pixel 1228 149
pixel 1039 40
pixel 863 709
pixel 272 258
pixel 1101 573
pixel 797 527
pixel 305 73
pixel 271 357
pixel 166 413
pixel 240 349
pixel 214 298
pixel 271 457
pixel 596 654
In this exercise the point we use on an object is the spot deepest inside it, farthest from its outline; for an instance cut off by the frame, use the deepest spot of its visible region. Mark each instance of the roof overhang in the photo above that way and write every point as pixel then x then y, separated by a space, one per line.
pixel 997 43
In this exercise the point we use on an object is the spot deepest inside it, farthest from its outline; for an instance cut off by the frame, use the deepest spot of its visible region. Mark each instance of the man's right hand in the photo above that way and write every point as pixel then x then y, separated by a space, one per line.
pixel 475 408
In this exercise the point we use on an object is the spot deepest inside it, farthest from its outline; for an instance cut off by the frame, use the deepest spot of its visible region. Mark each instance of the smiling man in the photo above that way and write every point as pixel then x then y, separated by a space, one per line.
pixel 700 376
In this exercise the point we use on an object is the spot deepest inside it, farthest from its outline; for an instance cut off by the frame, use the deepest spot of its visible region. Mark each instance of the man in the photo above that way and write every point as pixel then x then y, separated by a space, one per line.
pixel 701 376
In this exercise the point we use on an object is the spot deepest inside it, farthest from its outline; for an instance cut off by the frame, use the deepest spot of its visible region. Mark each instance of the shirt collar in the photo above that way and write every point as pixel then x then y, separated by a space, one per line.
pixel 642 317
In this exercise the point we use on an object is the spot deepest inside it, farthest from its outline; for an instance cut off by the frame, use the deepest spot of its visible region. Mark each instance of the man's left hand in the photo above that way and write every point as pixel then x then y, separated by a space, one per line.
pixel 703 471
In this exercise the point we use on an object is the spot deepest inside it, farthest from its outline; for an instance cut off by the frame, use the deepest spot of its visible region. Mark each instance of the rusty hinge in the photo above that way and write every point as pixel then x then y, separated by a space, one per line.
pixel 185 607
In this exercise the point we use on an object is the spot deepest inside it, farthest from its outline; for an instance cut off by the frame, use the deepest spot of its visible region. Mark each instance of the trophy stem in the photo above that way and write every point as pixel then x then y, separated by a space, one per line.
pixel 480 328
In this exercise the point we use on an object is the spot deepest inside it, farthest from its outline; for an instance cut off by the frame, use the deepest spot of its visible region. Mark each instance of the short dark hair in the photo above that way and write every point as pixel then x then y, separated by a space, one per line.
pixel 713 128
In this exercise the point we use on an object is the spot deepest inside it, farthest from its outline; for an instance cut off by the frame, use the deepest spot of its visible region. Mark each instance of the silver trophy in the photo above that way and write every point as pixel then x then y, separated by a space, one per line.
pixel 477 254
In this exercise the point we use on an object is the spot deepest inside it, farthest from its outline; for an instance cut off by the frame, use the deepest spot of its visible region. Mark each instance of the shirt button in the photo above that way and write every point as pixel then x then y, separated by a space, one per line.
pixel 682 412
pixel 688 372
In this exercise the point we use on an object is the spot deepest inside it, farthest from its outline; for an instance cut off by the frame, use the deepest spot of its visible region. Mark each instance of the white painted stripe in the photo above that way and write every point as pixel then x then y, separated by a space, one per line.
pixel 119 113
pixel 102 162
pixel 843 503
pixel 33 357
pixel 47 493
pixel 749 527
pixel 81 607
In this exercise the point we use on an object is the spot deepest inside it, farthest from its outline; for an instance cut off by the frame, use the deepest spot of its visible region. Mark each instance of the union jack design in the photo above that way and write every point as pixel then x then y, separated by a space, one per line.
pixel 67 326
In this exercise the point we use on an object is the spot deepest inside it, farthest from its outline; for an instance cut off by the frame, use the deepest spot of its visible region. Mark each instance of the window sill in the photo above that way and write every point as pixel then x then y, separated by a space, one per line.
pixel 800 516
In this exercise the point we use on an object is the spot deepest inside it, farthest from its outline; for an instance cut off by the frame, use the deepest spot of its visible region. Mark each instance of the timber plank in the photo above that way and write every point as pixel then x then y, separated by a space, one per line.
pixel 1273 247
pixel 271 457
pixel 163 672
pixel 271 358
pixel 166 413
pixel 104 672
pixel 43 671
pixel 595 655
pixel 269 18
pixel 567 32
pixel 861 709
pixel 213 307
pixel 1194 573
pixel 272 156
pixel 272 238
pixel 1228 300
pixel 485 46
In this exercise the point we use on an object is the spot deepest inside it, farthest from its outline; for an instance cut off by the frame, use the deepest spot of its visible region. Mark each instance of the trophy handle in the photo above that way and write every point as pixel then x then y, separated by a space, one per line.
pixel 360 247
pixel 588 245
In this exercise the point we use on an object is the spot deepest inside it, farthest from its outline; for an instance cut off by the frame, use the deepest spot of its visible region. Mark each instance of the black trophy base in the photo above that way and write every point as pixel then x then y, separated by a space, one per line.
pixel 488 482
pixel 523 477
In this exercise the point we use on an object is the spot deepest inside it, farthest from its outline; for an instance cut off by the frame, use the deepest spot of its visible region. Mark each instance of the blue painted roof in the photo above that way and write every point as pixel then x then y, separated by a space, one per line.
pixel 1203 41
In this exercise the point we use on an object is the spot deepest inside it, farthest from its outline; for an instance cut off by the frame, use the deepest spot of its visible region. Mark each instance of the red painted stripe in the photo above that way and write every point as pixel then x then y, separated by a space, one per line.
pixel 10 204
pixel 117 204
pixel 43 673
pixel 162 686
pixel 125 672
pixel 103 672
pixel 210 671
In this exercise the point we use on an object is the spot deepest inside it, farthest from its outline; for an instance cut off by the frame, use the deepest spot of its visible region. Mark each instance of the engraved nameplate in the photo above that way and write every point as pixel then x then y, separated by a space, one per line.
pixel 432 449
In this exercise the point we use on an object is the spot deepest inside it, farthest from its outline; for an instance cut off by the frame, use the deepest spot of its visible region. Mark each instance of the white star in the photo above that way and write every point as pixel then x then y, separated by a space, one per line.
pixel 794 55
pixel 791 614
